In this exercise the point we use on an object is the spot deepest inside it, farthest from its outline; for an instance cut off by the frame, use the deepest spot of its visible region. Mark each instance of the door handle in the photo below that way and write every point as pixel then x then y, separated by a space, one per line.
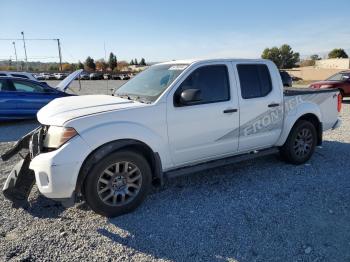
pixel 273 105
pixel 228 111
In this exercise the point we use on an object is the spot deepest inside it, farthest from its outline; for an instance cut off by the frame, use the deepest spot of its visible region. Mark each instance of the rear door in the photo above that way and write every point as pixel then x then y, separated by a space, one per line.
pixel 204 130
pixel 30 97
pixel 261 105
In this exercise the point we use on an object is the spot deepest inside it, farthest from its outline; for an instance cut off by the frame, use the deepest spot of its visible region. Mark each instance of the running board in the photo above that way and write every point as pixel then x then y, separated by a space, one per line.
pixel 221 162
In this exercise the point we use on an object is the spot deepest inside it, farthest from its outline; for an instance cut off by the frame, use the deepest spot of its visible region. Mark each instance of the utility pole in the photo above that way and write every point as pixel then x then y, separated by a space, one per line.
pixel 25 50
pixel 14 46
pixel 59 53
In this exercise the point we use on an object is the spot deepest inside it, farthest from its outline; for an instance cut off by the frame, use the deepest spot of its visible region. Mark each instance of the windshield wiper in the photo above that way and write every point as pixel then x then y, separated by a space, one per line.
pixel 135 98
pixel 125 96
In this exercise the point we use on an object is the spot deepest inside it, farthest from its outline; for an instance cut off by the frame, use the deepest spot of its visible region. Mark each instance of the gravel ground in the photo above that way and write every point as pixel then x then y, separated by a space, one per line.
pixel 261 210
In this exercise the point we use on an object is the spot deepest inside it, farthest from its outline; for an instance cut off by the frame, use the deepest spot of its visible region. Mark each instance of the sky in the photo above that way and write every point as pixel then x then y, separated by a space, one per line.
pixel 161 30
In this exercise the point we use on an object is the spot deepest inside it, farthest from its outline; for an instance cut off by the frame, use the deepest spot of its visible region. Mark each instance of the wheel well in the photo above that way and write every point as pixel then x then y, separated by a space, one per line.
pixel 134 145
pixel 317 124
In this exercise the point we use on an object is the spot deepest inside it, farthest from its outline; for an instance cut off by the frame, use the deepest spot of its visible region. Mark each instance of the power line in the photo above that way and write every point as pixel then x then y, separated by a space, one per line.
pixel 36 39
pixel 29 39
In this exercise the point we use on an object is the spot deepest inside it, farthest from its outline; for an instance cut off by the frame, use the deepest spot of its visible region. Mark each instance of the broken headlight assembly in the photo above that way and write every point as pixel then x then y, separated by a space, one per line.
pixel 56 136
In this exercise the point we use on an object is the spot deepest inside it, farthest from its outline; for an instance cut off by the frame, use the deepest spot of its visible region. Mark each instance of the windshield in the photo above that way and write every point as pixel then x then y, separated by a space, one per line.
pixel 339 77
pixel 151 83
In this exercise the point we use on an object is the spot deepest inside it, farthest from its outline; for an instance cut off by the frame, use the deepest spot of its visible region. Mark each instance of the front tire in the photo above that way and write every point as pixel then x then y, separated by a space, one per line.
pixel 300 144
pixel 118 183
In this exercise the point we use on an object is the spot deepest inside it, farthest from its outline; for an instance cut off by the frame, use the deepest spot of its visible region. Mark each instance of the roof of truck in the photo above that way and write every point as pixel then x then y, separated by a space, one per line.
pixel 195 60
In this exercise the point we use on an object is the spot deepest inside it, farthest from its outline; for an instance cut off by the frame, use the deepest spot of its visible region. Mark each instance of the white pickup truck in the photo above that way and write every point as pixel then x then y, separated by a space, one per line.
pixel 172 119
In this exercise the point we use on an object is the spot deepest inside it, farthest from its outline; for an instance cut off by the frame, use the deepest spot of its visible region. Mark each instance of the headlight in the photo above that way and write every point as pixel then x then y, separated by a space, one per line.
pixel 56 136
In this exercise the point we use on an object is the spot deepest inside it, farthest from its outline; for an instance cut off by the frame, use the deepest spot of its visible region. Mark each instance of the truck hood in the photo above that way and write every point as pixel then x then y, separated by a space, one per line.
pixel 64 84
pixel 61 110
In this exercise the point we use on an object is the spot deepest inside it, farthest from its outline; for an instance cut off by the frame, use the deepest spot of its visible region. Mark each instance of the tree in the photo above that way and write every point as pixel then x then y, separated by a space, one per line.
pixel 80 65
pixel 122 65
pixel 338 53
pixel 315 57
pixel 101 65
pixel 67 67
pixel 132 62
pixel 283 57
pixel 90 64
pixel 112 62
pixel 135 62
pixel 53 68
pixel 142 62
pixel 272 54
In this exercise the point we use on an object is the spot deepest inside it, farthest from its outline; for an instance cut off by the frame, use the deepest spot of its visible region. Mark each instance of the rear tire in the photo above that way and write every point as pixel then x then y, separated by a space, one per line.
pixel 300 144
pixel 118 184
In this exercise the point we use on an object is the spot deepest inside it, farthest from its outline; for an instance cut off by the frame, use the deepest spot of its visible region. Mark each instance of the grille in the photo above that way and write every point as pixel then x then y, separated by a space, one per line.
pixel 36 141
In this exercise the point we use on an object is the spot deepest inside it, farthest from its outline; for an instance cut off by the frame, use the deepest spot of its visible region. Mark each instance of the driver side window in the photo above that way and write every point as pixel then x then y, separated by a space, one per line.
pixel 22 86
pixel 212 82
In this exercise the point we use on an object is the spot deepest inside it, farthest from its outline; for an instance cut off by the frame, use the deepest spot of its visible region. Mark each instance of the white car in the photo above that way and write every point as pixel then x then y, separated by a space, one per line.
pixel 60 76
pixel 174 118
pixel 24 75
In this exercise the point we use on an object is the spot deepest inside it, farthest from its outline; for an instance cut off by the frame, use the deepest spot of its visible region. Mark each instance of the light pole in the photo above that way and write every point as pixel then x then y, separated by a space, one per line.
pixel 59 53
pixel 25 50
pixel 14 46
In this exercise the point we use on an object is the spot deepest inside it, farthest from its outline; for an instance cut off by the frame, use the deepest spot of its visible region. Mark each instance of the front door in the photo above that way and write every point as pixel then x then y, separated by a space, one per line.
pixel 7 100
pixel 30 97
pixel 204 129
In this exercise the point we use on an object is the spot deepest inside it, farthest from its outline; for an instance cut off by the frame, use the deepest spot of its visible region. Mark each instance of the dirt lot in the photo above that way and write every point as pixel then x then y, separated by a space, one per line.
pixel 261 210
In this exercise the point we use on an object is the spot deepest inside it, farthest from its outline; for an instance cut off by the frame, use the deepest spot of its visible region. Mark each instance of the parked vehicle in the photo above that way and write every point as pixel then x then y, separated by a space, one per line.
pixel 22 98
pixel 96 76
pixel 125 77
pixel 286 79
pixel 84 76
pixel 173 118
pixel 47 76
pixel 60 76
pixel 116 77
pixel 339 81
pixel 24 75
pixel 107 76
pixel 121 77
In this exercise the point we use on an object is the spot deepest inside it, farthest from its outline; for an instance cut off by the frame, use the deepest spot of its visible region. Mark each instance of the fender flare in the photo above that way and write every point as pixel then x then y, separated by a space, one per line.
pixel 105 149
pixel 308 110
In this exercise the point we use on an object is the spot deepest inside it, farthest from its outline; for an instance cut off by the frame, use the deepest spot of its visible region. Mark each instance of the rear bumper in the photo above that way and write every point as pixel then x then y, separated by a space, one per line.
pixel 337 124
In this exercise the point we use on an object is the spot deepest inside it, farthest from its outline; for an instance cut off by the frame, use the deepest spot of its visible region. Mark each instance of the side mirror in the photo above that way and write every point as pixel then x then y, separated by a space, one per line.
pixel 190 96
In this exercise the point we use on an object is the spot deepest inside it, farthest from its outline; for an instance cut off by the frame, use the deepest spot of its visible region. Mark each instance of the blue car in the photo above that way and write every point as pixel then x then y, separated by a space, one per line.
pixel 23 98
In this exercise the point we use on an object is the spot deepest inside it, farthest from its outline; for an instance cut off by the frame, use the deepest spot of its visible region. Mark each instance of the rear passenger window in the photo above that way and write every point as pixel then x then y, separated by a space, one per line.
pixel 212 81
pixel 255 80
pixel 20 76
pixel 5 86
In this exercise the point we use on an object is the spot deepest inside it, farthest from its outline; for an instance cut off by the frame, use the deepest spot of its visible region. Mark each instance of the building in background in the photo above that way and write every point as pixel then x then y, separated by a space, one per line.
pixel 322 69
pixel 334 63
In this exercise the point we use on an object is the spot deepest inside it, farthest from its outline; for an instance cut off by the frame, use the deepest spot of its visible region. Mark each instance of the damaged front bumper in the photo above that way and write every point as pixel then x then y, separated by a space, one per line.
pixel 54 173
pixel 20 181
